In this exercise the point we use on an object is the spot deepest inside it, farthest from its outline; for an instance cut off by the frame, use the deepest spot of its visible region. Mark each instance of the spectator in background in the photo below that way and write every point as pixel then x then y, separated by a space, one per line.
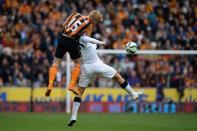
pixel 177 80
pixel 39 81
pixel 1 82
pixel 28 32
pixel 189 77
pixel 161 83
pixel 133 79
pixel 20 80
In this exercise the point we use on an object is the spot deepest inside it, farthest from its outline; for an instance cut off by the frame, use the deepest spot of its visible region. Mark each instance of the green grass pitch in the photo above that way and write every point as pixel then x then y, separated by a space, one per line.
pixel 98 122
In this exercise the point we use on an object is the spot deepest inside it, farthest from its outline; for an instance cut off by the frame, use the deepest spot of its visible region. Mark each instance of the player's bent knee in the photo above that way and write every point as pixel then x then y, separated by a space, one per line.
pixel 117 77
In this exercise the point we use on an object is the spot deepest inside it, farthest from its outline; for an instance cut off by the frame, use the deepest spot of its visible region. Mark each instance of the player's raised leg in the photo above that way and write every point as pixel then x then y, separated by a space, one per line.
pixel 59 54
pixel 74 76
pixel 52 75
pixel 110 73
pixel 75 108
pixel 65 44
pixel 125 85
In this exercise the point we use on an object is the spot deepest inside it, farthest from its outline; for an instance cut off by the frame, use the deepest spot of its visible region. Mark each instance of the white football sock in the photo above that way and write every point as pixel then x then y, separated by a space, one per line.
pixel 75 110
pixel 129 90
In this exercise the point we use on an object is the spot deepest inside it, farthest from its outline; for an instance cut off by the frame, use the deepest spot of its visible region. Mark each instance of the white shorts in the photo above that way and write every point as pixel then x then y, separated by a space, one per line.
pixel 97 68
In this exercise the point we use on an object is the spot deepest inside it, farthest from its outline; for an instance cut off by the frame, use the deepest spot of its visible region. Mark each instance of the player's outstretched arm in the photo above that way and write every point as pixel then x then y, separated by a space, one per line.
pixel 88 39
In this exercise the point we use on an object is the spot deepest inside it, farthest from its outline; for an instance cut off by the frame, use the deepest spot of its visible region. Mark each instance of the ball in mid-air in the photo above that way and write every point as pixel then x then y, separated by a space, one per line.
pixel 131 47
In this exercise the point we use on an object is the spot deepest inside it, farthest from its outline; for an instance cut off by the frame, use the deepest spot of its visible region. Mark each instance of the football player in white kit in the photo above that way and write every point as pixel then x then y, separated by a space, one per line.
pixel 93 65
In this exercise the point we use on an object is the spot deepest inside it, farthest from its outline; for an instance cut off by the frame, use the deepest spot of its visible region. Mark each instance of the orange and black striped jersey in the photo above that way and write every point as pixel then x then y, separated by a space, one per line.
pixel 76 24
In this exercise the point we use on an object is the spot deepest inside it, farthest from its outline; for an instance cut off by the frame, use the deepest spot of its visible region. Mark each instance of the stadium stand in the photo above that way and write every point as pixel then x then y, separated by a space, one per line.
pixel 29 30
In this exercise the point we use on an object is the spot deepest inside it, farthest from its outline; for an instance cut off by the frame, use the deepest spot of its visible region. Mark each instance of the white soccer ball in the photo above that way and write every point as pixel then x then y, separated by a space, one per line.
pixel 131 47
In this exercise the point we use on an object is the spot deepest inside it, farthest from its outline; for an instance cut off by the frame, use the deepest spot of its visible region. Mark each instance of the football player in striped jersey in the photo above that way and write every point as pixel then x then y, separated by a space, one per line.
pixel 74 26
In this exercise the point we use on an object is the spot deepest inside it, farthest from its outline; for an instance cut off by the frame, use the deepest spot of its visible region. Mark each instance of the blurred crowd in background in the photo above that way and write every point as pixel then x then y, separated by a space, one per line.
pixel 29 30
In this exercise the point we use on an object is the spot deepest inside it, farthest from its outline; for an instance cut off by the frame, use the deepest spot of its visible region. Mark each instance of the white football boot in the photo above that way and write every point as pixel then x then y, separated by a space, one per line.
pixel 137 94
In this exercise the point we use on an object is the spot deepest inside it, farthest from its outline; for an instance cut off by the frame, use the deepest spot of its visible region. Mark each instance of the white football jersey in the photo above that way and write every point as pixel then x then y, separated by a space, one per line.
pixel 91 63
pixel 88 53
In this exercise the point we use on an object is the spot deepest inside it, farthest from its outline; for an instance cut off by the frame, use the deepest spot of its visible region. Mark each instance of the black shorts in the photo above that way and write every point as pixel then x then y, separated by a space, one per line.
pixel 67 44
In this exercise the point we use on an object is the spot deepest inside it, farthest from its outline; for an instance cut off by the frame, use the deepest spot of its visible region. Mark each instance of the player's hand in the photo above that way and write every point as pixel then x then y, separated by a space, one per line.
pixel 103 43
pixel 47 93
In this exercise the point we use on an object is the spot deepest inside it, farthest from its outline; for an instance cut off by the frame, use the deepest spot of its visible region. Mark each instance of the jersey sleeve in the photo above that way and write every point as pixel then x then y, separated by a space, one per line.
pixel 68 19
pixel 86 39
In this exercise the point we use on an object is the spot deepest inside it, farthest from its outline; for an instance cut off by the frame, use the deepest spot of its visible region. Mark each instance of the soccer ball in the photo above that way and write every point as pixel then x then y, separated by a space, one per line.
pixel 131 47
